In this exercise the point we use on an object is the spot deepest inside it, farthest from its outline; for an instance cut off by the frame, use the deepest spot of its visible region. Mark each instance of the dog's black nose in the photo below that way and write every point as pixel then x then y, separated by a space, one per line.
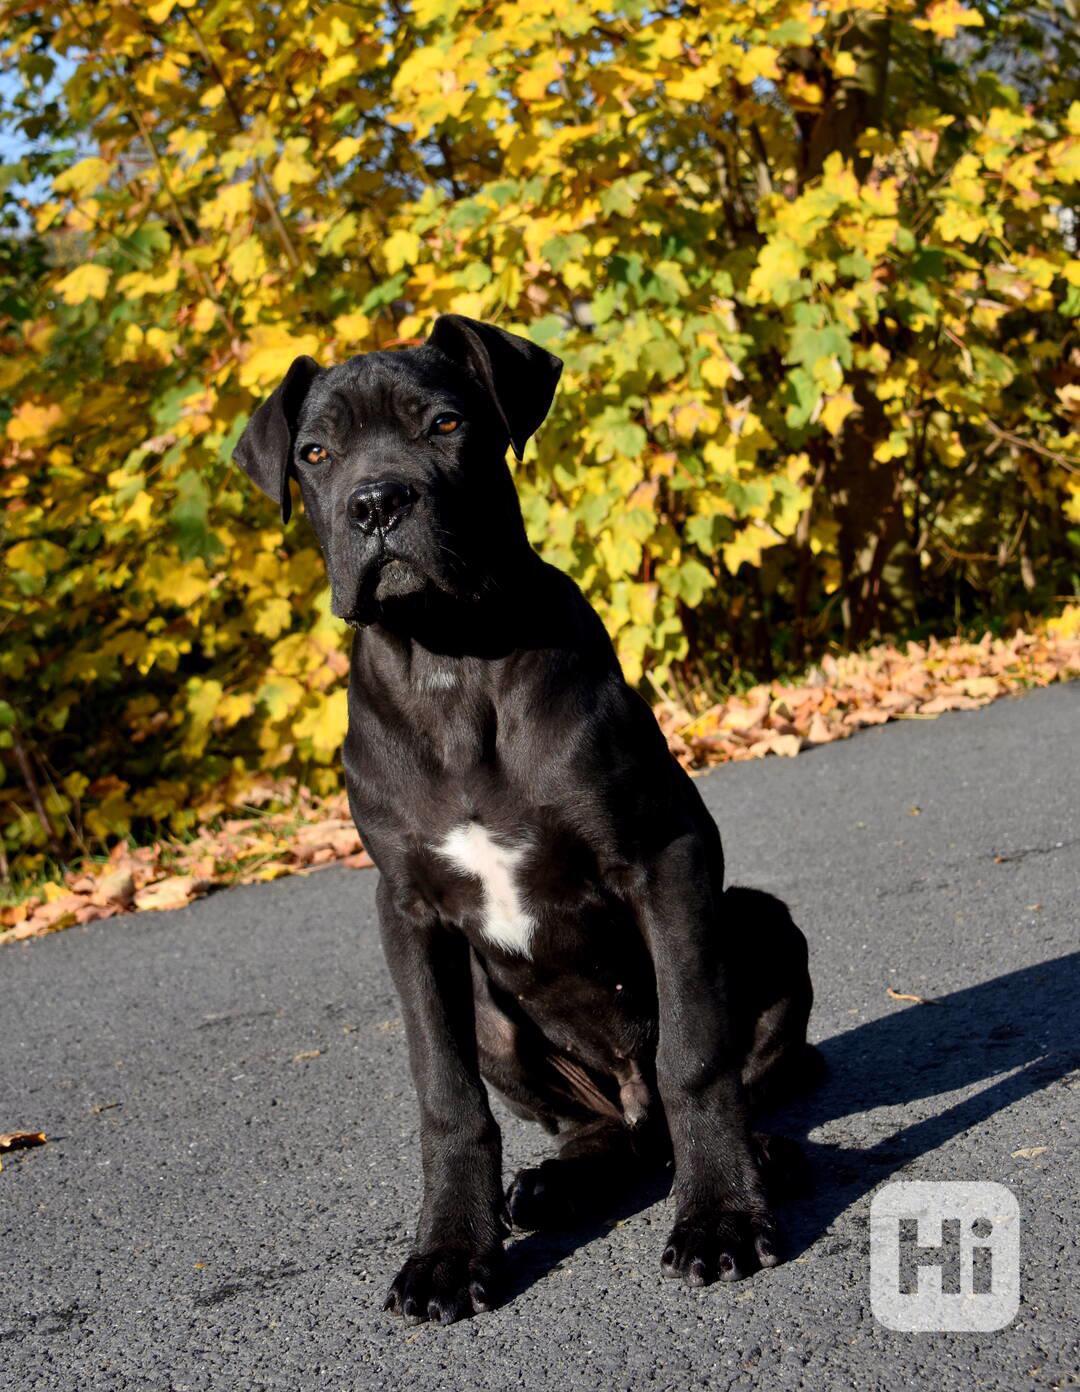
pixel 380 504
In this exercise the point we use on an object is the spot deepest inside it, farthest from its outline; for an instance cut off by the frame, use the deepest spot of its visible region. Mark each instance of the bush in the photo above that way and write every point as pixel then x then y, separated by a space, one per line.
pixel 813 277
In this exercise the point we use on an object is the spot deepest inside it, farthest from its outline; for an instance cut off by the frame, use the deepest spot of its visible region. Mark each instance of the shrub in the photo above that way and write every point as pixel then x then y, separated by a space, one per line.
pixel 811 268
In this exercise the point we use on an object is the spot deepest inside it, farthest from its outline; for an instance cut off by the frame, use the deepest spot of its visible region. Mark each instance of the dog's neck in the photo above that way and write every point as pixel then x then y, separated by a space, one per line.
pixel 517 610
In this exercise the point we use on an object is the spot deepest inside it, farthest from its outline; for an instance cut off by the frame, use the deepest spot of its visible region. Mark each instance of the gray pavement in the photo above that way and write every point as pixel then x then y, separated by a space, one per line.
pixel 232 1169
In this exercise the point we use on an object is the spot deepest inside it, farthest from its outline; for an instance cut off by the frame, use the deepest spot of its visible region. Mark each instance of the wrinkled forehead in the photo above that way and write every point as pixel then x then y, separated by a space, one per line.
pixel 402 388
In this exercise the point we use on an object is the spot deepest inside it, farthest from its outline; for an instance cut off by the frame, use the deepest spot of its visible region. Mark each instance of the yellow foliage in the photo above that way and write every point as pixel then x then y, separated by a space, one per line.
pixel 87 282
pixel 272 348
pixel 787 342
pixel 32 423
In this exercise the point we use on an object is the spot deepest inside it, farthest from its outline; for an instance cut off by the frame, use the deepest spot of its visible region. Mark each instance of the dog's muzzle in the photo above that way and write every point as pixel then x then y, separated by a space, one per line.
pixel 371 565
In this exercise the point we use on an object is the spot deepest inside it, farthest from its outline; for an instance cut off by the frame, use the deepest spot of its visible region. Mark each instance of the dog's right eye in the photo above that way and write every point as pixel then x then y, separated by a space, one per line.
pixel 315 454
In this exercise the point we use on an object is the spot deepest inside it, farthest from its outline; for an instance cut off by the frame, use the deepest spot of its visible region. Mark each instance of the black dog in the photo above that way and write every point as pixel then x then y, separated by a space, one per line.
pixel 551 885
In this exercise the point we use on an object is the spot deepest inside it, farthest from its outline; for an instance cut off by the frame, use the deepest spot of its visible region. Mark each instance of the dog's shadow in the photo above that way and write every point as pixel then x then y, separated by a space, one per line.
pixel 1019 1030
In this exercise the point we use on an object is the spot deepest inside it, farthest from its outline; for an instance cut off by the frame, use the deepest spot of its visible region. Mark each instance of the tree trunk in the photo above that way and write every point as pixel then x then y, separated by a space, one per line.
pixel 865 493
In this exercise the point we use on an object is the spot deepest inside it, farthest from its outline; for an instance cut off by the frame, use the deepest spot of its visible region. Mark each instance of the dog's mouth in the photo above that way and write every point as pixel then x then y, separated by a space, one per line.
pixel 360 600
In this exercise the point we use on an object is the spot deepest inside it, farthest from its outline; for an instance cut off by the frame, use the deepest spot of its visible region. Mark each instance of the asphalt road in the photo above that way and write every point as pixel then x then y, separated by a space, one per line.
pixel 232 1168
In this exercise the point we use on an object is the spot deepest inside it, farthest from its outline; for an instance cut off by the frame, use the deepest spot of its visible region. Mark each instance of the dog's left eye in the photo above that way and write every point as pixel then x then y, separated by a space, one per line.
pixel 445 424
pixel 315 454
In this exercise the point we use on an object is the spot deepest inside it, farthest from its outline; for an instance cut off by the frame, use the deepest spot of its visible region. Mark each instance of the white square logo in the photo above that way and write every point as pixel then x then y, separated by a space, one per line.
pixel 944 1256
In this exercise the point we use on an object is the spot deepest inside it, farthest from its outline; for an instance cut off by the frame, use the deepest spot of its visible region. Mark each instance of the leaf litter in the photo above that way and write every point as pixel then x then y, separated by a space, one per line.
pixel 841 695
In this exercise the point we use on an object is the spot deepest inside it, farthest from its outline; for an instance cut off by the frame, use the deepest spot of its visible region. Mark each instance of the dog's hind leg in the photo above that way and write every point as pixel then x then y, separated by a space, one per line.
pixel 770 978
pixel 598 1164
pixel 599 1154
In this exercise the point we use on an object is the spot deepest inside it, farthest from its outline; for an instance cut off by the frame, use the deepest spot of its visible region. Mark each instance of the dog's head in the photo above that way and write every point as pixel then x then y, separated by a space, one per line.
pixel 401 460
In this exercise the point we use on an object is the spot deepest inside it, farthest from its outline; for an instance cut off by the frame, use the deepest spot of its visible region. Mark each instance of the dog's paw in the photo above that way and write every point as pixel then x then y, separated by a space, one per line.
pixel 445 1284
pixel 723 1246
pixel 543 1198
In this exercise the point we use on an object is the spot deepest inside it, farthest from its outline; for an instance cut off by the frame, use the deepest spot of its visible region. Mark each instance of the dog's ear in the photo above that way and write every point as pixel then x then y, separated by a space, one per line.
pixel 264 451
pixel 519 377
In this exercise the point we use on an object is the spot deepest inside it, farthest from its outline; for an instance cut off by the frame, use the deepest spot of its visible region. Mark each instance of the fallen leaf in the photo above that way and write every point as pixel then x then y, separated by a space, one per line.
pixel 273 870
pixel 948 702
pixel 21 1140
pixel 906 996
pixel 772 743
pixel 865 715
pixel 745 717
pixel 174 892
pixel 981 688
pixel 1029 1152
pixel 820 731
pixel 117 887
pixel 236 840
pixel 306 1054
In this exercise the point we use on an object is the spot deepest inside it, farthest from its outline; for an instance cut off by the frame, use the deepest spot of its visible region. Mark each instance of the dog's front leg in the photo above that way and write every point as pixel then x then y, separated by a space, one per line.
pixel 455 1266
pixel 723 1226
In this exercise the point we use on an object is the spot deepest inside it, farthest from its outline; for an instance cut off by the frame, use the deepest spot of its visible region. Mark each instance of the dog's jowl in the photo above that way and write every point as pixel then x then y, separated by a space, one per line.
pixel 551 892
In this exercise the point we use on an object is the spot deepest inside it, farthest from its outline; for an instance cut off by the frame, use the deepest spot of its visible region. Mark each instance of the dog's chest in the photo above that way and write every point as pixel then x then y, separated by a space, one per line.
pixel 495 865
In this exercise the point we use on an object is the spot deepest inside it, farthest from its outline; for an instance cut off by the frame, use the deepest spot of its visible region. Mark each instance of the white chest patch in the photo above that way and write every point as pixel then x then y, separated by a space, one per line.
pixel 438 679
pixel 507 922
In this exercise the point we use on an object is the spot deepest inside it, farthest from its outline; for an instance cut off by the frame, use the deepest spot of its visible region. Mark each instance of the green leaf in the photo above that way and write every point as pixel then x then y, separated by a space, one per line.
pixel 189 516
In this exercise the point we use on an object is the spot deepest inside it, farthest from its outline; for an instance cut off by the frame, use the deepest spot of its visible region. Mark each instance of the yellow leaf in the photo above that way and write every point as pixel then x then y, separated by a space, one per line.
pixel 1067 623
pixel 205 315
pixel 352 328
pixel 204 699
pixel 227 207
pixel 87 282
pixel 338 69
pixel 38 335
pixel 532 85
pixel 400 249
pixel 281 695
pixel 138 283
pixel 31 424
pixel 233 709
pixel 690 86
pixel 836 411
pixel 272 348
pixel 748 545
pixel 758 62
pixel 343 150
pixel 716 371
pixel 82 177
pixel 945 17
pixel 776 272
pixel 141 510
pixel 292 166
pixel 36 558
pixel 325 724
pixel 273 618
pixel 173 584
pixel 247 261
